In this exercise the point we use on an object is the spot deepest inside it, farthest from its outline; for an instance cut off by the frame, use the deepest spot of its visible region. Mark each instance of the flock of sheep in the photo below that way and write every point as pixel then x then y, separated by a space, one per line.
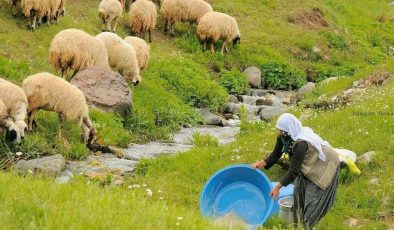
pixel 74 49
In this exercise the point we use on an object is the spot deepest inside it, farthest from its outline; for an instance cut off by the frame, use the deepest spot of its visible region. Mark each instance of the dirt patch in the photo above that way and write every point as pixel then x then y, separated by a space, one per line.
pixel 375 79
pixel 328 104
pixel 309 19
pixel 386 216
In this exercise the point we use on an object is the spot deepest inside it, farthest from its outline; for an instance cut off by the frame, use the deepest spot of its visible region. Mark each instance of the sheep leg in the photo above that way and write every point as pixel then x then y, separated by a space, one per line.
pixel 30 119
pixel 223 46
pixel 190 28
pixel 204 47
pixel 14 8
pixel 115 23
pixel 150 35
pixel 34 20
pixel 165 27
pixel 212 47
pixel 64 73
pixel 172 29
pixel 89 131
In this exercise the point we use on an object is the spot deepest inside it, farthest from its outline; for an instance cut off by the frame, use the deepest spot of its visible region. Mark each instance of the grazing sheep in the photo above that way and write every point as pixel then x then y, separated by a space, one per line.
pixel 77 50
pixel 183 10
pixel 14 4
pixel 51 93
pixel 55 9
pixel 123 4
pixel 35 10
pixel 141 49
pixel 216 26
pixel 12 132
pixel 16 103
pixel 142 18
pixel 122 56
pixel 110 11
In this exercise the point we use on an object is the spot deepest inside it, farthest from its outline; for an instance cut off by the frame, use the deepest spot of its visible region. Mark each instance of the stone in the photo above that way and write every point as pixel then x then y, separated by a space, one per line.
pixel 355 84
pixel 305 89
pixel 367 157
pixel 50 165
pixel 64 177
pixel 264 101
pixel 234 123
pixel 374 181
pixel 316 49
pixel 328 80
pixel 117 182
pixel 391 4
pixel 253 75
pixel 267 114
pixel 232 98
pixel 104 90
pixel 352 222
pixel 212 119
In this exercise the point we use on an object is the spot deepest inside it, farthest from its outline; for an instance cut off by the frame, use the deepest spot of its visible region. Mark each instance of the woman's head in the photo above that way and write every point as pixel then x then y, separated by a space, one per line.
pixel 288 124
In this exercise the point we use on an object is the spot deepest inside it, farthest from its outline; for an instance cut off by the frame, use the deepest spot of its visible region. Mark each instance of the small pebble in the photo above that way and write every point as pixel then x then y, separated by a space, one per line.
pixel 149 192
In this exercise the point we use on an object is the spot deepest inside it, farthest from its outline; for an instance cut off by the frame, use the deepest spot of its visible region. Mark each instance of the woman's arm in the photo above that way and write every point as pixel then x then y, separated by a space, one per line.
pixel 299 152
pixel 275 155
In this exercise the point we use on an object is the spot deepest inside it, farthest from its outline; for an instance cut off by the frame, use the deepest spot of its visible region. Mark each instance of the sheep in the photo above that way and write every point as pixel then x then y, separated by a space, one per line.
pixel 12 132
pixel 141 49
pixel 110 11
pixel 51 93
pixel 16 103
pixel 123 4
pixel 77 50
pixel 35 10
pixel 216 26
pixel 122 57
pixel 142 18
pixel 183 10
pixel 14 4
pixel 55 9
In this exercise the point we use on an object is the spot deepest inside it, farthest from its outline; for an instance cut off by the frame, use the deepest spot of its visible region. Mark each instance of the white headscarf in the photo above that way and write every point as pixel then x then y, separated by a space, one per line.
pixel 289 123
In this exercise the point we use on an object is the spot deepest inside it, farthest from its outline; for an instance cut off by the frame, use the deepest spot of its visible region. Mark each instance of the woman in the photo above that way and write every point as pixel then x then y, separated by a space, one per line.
pixel 314 167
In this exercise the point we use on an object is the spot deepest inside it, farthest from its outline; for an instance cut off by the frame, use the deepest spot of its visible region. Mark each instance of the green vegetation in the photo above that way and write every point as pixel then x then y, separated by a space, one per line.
pixel 275 37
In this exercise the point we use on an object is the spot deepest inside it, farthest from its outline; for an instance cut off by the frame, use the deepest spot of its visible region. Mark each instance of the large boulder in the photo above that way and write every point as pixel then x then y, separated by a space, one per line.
pixel 253 74
pixel 267 114
pixel 50 165
pixel 104 90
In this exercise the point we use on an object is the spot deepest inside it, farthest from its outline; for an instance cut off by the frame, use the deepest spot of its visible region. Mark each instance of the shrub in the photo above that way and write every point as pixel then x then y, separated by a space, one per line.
pixel 335 41
pixel 234 82
pixel 204 140
pixel 280 76
pixel 324 73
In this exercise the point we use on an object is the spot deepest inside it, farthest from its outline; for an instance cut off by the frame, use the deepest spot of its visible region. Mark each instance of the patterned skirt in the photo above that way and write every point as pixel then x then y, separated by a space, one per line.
pixel 312 203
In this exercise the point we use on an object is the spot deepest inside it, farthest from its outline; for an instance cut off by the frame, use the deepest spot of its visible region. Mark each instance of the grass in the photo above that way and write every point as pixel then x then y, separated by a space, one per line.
pixel 181 77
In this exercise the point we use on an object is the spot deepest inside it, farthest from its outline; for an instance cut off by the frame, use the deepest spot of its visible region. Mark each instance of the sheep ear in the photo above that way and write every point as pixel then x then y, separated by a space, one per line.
pixel 11 135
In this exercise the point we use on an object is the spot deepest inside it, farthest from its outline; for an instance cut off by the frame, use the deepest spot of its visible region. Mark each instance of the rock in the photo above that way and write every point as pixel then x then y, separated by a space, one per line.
pixel 64 177
pixel 51 165
pixel 234 123
pixel 305 89
pixel 212 119
pixel 391 4
pixel 316 50
pixel 253 74
pixel 117 182
pixel 355 84
pixel 268 113
pixel 367 157
pixel 232 98
pixel 104 89
pixel 349 92
pixel 328 80
pixel 352 222
pixel 264 101
pixel 251 110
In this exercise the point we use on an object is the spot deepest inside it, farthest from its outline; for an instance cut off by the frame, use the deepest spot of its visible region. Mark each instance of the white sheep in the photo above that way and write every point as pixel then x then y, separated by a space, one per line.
pixel 110 11
pixel 141 49
pixel 35 10
pixel 142 18
pixel 183 10
pixel 51 93
pixel 216 26
pixel 122 56
pixel 55 9
pixel 16 103
pixel 77 50
pixel 12 131
pixel 123 4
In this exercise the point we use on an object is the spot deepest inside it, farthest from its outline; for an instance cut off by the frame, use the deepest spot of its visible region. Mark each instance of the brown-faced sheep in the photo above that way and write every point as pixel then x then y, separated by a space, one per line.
pixel 141 49
pixel 216 26
pixel 12 131
pixel 77 50
pixel 16 103
pixel 51 93
pixel 122 56
pixel 110 11
pixel 142 18
pixel 183 10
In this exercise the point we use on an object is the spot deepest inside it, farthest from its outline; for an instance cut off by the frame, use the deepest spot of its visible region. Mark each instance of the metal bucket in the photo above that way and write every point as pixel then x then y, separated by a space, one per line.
pixel 286 209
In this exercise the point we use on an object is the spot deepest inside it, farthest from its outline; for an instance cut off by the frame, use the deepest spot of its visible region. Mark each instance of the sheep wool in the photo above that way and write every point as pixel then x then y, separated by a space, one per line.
pixel 142 17
pixel 55 9
pixel 35 10
pixel 51 93
pixel 8 123
pixel 16 103
pixel 110 11
pixel 75 49
pixel 141 49
pixel 183 10
pixel 122 56
pixel 217 26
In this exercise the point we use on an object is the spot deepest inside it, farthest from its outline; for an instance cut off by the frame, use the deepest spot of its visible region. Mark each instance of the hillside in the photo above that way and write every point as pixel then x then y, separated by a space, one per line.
pixel 311 39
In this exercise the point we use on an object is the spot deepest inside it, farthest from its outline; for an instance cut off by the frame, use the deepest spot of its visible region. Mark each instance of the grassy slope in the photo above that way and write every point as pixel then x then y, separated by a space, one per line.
pixel 360 41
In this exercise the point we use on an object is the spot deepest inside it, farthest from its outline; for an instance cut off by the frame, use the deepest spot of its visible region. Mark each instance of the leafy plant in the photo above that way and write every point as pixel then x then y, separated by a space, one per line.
pixel 280 76
pixel 234 82
pixel 204 140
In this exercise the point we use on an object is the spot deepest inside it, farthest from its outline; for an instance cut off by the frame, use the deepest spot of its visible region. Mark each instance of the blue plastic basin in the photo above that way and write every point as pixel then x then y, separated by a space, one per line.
pixel 283 192
pixel 239 189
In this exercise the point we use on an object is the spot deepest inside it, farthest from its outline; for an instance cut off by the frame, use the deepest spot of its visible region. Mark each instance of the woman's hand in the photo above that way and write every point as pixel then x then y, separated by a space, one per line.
pixel 259 164
pixel 275 191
